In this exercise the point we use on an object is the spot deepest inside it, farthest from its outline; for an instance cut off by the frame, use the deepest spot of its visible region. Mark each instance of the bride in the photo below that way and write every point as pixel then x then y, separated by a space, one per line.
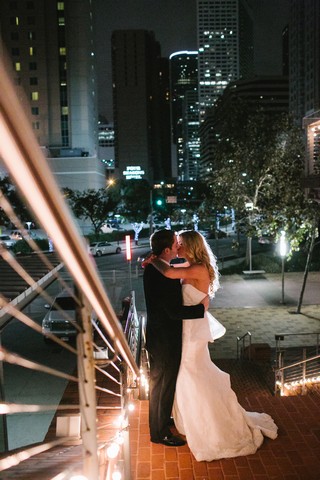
pixel 206 409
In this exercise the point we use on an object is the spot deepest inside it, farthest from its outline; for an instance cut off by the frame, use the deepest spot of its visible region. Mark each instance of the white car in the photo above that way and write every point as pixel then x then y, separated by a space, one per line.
pixel 107 228
pixel 6 241
pixel 101 248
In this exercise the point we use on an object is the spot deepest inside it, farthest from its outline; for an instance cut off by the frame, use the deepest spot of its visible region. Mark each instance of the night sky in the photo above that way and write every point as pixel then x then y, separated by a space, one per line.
pixel 175 25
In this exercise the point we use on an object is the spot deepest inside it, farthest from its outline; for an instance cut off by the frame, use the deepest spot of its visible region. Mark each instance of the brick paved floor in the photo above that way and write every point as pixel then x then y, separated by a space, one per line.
pixel 294 455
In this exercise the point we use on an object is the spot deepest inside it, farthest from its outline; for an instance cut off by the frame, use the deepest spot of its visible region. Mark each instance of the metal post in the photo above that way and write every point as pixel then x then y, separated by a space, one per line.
pixel 151 213
pixel 3 418
pixel 282 296
pixel 87 394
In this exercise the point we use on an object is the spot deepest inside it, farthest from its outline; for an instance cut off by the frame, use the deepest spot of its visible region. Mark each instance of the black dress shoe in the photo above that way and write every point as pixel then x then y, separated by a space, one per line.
pixel 172 441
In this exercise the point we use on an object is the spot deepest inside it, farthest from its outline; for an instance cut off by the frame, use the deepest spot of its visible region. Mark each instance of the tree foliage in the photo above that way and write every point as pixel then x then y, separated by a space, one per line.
pixel 16 201
pixel 93 205
pixel 135 200
pixel 258 161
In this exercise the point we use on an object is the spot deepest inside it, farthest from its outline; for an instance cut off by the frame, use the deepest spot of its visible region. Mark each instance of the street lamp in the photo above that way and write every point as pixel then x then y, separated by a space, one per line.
pixel 283 249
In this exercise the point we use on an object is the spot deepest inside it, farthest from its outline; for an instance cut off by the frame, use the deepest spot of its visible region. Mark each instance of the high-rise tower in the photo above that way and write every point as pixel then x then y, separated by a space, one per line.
pixel 141 106
pixel 225 43
pixel 50 46
pixel 183 84
pixel 304 82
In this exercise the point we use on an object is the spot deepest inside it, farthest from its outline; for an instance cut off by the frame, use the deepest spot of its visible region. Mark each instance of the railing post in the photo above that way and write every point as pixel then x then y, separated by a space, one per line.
pixel 304 368
pixel 125 432
pixel 87 394
pixel 3 418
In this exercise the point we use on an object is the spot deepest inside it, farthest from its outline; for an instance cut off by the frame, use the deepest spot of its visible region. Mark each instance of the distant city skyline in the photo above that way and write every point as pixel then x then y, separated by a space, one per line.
pixel 174 23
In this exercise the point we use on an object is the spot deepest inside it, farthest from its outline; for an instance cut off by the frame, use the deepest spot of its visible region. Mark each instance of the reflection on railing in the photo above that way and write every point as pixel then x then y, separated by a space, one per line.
pixel 98 371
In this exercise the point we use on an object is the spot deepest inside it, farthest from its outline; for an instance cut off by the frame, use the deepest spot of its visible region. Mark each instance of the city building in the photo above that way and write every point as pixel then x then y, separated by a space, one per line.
pixel 50 47
pixel 269 93
pixel 183 79
pixel 304 77
pixel 225 43
pixel 106 147
pixel 141 106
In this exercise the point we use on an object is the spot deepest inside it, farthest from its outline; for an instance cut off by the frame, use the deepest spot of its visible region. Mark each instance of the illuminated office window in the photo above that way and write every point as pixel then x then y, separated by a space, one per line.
pixel 60 5
pixel 63 51
pixel 32 51
pixel 35 96
pixel 14 21
pixel 17 66
pixel 64 111
pixel 61 21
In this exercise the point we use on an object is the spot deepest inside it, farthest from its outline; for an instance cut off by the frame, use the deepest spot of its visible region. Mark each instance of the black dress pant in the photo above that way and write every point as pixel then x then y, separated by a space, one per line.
pixel 163 376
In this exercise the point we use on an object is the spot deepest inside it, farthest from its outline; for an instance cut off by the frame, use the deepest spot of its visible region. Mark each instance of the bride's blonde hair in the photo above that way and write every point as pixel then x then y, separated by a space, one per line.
pixel 199 251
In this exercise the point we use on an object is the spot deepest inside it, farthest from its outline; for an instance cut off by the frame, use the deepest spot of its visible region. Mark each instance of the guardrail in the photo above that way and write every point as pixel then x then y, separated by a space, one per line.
pixel 27 166
pixel 297 367
pixel 240 349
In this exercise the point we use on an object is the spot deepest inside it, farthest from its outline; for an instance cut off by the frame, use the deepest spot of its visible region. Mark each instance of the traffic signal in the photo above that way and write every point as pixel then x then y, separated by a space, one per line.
pixel 159 202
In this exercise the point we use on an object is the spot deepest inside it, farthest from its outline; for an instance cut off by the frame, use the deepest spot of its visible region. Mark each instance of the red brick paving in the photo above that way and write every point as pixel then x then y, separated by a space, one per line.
pixel 294 455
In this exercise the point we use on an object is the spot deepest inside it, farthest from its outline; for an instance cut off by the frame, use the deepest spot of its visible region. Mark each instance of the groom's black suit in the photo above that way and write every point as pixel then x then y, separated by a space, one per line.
pixel 164 340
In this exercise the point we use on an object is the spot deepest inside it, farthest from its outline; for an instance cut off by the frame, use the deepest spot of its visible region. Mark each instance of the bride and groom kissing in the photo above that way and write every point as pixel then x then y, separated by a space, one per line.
pixel 184 382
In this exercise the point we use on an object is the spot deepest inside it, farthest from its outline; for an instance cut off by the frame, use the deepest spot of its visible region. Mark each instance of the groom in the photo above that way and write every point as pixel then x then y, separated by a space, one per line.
pixel 165 313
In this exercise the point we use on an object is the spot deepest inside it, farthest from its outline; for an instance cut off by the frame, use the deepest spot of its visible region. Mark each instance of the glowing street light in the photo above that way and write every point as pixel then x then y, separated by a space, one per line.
pixel 283 250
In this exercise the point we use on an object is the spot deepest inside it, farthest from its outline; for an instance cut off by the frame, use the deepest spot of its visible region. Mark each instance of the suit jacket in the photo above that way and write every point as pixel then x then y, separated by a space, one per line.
pixel 165 311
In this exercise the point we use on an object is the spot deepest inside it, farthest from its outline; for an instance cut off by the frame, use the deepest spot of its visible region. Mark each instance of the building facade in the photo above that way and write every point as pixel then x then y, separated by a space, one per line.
pixel 50 47
pixel 225 43
pixel 141 106
pixel 304 76
pixel 268 93
pixel 183 82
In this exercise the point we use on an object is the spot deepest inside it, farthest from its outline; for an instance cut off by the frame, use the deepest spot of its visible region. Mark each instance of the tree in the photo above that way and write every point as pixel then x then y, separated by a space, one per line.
pixel 258 163
pixel 91 204
pixel 135 200
pixel 16 201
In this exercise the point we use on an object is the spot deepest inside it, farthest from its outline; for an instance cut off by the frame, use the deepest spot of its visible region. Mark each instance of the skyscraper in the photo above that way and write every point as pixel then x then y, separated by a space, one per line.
pixel 50 45
pixel 304 81
pixel 183 84
pixel 141 106
pixel 225 43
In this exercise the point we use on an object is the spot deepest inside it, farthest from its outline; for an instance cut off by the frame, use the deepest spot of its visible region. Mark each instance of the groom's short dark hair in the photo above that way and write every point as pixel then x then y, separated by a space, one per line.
pixel 160 240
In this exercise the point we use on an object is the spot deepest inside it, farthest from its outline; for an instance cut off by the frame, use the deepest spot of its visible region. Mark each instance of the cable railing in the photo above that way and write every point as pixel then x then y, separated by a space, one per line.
pixel 297 367
pixel 96 371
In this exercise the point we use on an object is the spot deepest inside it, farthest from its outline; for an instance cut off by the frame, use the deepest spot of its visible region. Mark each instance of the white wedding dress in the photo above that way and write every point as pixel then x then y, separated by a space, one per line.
pixel 206 409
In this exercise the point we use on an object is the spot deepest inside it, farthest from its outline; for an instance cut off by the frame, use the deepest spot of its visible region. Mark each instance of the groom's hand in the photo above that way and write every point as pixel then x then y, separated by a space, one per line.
pixel 206 302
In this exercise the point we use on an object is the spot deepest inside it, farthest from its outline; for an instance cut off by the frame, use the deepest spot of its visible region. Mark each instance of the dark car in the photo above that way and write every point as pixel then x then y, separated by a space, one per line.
pixel 61 317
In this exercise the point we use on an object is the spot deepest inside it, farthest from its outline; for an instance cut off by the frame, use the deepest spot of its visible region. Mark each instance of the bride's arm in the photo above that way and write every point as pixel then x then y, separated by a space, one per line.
pixel 177 272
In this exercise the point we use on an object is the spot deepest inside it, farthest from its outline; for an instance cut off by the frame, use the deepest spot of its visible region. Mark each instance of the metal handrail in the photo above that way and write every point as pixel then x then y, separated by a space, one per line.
pixel 243 339
pixel 280 383
pixel 28 168
pixel 27 165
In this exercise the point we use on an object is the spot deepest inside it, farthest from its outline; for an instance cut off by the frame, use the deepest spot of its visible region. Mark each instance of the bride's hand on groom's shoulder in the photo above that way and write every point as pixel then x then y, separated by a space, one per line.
pixel 151 256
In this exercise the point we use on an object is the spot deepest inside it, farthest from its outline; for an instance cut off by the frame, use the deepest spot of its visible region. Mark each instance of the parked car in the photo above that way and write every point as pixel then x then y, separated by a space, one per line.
pixel 107 228
pixel 56 322
pixel 16 235
pixel 101 248
pixel 6 241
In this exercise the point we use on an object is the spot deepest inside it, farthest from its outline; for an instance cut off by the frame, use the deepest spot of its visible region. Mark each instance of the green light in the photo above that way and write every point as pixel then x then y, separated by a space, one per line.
pixel 159 202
